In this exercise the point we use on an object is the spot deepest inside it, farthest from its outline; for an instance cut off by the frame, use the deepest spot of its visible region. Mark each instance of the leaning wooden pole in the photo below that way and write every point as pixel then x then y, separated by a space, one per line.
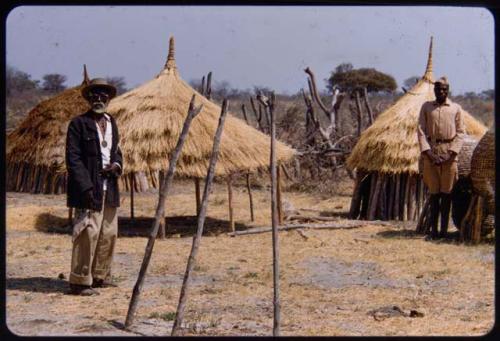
pixel 160 209
pixel 179 316
pixel 250 198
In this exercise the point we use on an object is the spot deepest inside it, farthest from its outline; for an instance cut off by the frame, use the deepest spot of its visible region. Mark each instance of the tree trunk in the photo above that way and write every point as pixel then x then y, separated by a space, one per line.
pixel 197 193
pixel 358 109
pixel 368 107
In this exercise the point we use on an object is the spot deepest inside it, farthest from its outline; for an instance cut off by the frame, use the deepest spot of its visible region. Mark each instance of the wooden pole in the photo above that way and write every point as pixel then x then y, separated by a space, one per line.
pixel 411 197
pixel 279 194
pixel 250 198
pixel 407 197
pixel 275 222
pixel 396 196
pixel 132 185
pixel 375 196
pixel 70 216
pixel 230 202
pixel 244 110
pixel 478 219
pixel 179 316
pixel 382 206
pixel 390 199
pixel 197 193
pixel 160 209
pixel 356 197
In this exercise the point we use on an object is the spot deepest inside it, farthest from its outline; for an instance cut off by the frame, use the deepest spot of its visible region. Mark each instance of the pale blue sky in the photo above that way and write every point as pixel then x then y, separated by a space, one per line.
pixel 251 45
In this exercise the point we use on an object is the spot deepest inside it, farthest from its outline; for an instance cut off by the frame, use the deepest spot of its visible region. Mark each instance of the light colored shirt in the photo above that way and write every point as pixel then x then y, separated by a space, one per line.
pixel 441 122
pixel 105 150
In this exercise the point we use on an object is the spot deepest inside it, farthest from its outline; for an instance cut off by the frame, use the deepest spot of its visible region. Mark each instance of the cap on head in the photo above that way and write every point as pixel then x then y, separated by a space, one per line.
pixel 101 84
pixel 443 80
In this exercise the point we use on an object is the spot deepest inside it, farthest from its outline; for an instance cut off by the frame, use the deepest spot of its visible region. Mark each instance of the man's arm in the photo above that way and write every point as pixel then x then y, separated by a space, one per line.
pixel 74 163
pixel 456 144
pixel 422 131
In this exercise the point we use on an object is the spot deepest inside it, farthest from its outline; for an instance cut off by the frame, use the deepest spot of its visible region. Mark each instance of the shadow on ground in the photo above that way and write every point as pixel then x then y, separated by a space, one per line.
pixel 37 284
pixel 182 226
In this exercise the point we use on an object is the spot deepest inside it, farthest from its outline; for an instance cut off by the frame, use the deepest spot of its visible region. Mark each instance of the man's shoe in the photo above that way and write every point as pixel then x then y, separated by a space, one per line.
pixel 82 290
pixel 101 283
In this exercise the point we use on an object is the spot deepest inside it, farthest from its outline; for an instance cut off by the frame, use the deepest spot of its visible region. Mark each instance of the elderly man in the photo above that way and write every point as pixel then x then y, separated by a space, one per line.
pixel 94 163
pixel 440 135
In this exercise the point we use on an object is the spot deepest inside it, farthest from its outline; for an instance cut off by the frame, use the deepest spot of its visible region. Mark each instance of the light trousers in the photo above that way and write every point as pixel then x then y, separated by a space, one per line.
pixel 94 245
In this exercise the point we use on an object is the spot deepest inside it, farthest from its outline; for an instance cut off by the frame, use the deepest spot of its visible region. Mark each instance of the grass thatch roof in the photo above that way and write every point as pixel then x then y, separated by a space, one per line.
pixel 150 119
pixel 390 144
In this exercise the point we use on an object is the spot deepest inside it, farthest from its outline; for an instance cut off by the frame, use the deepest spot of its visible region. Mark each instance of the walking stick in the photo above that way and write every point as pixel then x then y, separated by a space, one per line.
pixel 269 104
pixel 160 209
pixel 179 315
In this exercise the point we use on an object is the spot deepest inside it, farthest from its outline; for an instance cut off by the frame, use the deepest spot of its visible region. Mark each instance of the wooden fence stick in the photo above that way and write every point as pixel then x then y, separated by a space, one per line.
pixel 275 219
pixel 132 185
pixel 179 315
pixel 250 198
pixel 230 202
pixel 160 208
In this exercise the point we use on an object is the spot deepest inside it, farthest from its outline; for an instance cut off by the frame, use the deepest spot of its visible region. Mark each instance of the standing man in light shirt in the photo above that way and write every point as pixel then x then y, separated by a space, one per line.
pixel 94 163
pixel 440 136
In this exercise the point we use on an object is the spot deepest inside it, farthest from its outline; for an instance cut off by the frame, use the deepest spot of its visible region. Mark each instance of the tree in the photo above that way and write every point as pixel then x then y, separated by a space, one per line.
pixel 18 81
pixel 348 79
pixel 410 82
pixel 488 94
pixel 53 82
pixel 119 83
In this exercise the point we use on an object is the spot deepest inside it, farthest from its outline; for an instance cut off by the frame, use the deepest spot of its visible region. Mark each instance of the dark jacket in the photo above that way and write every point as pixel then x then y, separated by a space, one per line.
pixel 84 163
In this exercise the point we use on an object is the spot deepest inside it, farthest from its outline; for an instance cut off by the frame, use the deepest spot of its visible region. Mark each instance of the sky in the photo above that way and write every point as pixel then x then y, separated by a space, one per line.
pixel 252 45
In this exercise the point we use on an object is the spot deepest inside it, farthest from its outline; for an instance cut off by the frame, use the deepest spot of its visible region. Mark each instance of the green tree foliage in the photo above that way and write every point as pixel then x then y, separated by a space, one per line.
pixel 348 79
pixel 54 82
pixel 18 81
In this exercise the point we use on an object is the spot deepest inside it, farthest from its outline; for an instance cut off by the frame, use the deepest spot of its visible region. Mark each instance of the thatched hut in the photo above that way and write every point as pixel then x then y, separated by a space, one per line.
pixel 386 157
pixel 36 148
pixel 150 119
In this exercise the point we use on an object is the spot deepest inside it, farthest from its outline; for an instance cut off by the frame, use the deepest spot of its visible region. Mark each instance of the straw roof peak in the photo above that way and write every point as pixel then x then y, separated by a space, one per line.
pixel 86 79
pixel 428 70
pixel 170 64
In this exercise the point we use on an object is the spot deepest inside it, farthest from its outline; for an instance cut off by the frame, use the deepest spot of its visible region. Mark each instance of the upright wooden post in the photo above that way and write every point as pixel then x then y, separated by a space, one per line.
pixel 230 202
pixel 70 216
pixel 250 198
pixel 198 198
pixel 375 196
pixel 275 221
pixel 160 209
pixel 132 185
pixel 163 221
pixel 179 316
pixel 279 194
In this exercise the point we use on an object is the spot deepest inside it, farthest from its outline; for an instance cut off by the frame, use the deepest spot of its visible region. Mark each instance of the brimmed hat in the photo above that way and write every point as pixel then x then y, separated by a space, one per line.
pixel 99 83
pixel 443 80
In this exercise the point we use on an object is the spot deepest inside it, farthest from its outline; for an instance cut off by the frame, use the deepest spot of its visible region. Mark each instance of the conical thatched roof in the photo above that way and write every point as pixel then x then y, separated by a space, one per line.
pixel 36 147
pixel 390 144
pixel 151 117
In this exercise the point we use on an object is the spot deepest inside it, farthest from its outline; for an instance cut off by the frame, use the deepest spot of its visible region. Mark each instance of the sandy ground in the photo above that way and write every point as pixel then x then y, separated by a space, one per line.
pixel 371 280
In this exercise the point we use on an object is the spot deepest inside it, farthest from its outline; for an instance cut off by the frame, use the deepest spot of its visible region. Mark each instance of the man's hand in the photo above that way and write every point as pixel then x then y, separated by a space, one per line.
pixel 88 197
pixel 112 170
pixel 433 157
pixel 447 157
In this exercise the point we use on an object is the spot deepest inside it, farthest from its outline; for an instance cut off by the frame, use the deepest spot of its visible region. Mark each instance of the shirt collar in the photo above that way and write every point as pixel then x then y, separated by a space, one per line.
pixel 106 116
pixel 447 102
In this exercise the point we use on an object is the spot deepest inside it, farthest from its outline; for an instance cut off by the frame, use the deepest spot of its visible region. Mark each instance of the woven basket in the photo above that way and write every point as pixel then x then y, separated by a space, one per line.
pixel 483 166
pixel 464 157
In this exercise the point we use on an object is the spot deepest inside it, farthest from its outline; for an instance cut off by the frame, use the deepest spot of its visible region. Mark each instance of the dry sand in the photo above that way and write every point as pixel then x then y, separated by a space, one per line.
pixel 362 281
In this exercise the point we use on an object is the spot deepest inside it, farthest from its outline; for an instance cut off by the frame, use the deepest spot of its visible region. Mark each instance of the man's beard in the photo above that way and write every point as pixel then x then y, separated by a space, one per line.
pixel 99 107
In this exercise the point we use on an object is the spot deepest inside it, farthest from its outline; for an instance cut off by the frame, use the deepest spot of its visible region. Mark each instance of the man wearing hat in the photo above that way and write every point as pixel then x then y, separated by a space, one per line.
pixel 94 163
pixel 440 136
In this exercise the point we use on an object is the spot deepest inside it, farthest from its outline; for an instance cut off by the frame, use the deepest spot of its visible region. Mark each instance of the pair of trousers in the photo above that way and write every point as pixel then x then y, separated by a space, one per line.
pixel 440 178
pixel 93 245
